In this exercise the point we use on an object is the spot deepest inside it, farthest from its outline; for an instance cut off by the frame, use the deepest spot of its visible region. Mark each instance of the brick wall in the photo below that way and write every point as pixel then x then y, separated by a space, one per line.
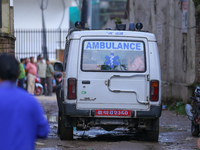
pixel 7 39
pixel 7 44
pixel 197 46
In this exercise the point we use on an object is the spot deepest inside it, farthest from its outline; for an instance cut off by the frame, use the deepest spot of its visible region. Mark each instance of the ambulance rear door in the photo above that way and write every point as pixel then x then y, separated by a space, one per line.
pixel 113 74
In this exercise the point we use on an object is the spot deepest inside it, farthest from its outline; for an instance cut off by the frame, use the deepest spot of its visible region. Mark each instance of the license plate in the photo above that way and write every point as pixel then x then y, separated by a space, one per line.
pixel 101 112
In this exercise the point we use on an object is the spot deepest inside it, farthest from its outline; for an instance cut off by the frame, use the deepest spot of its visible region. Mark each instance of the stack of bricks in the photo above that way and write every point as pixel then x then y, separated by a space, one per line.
pixel 7 44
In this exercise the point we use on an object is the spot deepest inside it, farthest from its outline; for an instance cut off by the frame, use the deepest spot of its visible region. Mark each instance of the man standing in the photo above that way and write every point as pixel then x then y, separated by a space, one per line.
pixel 22 117
pixel 49 75
pixel 21 73
pixel 26 62
pixel 31 72
pixel 41 70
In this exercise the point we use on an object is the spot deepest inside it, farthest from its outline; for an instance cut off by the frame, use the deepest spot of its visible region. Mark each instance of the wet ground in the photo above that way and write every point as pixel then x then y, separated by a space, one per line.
pixel 174 134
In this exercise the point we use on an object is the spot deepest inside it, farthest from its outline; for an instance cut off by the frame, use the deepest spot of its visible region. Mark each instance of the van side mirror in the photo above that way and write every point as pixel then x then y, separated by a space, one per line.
pixel 58 66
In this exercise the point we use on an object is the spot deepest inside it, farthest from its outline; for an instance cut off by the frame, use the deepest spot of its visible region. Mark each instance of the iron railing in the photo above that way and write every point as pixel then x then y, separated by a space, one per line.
pixel 29 42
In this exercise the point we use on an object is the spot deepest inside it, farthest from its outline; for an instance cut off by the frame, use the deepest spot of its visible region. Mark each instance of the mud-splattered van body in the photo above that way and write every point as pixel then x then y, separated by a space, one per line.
pixel 110 79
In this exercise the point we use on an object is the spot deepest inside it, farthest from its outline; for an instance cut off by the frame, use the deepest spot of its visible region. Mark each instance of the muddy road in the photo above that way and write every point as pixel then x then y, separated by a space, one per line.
pixel 174 134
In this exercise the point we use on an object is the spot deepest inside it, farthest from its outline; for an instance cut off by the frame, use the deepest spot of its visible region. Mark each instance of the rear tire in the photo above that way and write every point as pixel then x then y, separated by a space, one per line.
pixel 194 129
pixel 152 135
pixel 38 91
pixel 66 133
pixel 59 121
pixel 59 108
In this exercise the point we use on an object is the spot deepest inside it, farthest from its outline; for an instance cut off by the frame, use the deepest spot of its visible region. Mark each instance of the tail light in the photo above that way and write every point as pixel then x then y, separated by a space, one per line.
pixel 71 88
pixel 154 90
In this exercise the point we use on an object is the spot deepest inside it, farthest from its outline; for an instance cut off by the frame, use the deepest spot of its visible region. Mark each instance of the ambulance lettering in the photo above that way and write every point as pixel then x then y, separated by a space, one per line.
pixel 113 45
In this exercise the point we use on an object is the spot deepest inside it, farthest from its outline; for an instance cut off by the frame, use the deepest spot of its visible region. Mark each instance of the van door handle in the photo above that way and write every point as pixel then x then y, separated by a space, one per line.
pixel 86 82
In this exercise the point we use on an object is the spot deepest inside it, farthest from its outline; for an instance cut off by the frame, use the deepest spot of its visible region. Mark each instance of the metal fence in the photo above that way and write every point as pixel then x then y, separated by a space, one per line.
pixel 29 42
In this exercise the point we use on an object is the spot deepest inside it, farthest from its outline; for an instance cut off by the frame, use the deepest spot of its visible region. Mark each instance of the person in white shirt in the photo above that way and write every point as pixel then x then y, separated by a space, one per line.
pixel 41 70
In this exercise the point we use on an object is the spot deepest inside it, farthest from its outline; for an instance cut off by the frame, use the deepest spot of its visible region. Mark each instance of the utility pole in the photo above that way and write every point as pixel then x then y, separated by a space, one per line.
pixel 0 15
pixel 84 12
pixel 44 42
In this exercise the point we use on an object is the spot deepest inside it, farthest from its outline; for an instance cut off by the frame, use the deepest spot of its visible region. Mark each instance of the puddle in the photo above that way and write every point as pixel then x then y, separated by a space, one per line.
pixel 52 119
pixel 166 138
pixel 53 123
pixel 167 133
pixel 170 128
pixel 53 148
pixel 170 136
pixel 98 134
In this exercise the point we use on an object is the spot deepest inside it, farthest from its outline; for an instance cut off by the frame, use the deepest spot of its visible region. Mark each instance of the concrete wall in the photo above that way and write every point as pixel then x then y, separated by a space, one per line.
pixel 28 15
pixel 7 39
pixel 198 45
pixel 177 50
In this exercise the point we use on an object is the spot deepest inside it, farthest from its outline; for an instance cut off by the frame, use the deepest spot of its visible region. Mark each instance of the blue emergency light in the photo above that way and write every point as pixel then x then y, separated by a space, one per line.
pixel 132 26
pixel 78 25
pixel 139 26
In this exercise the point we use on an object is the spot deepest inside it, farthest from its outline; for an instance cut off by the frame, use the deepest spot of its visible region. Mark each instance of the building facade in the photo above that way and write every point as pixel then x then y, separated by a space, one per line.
pixel 174 24
pixel 28 25
pixel 7 38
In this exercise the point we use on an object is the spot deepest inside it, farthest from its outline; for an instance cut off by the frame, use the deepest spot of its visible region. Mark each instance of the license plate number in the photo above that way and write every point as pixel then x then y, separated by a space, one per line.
pixel 112 112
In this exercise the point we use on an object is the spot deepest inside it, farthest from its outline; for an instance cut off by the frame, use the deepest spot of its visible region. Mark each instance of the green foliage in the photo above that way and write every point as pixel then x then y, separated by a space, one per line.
pixel 171 107
pixel 179 108
pixel 196 3
pixel 118 21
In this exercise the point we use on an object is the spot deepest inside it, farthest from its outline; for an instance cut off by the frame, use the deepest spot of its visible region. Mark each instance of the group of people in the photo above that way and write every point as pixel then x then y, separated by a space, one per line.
pixel 29 69
pixel 21 114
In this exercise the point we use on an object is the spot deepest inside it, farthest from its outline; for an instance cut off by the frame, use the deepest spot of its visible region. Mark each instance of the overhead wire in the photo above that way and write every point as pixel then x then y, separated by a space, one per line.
pixel 40 4
pixel 45 7
pixel 63 16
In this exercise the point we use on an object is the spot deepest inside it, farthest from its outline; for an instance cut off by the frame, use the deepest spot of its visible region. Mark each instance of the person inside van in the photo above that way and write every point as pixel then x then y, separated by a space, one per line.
pixel 87 58
pixel 136 62
pixel 88 62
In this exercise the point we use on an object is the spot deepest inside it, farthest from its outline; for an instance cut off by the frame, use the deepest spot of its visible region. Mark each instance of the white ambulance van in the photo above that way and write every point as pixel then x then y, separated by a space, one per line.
pixel 111 79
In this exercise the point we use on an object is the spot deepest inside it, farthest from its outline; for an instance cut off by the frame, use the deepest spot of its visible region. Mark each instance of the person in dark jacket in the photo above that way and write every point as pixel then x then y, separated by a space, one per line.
pixel 49 76
pixel 21 115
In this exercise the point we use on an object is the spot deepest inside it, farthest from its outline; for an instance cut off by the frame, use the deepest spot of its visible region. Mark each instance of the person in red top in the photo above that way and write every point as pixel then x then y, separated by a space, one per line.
pixel 31 72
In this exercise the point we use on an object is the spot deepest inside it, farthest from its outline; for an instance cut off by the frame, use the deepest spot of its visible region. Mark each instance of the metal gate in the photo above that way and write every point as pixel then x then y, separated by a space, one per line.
pixel 29 42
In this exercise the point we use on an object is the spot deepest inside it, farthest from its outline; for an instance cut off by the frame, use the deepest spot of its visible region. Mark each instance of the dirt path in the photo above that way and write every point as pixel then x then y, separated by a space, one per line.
pixel 174 134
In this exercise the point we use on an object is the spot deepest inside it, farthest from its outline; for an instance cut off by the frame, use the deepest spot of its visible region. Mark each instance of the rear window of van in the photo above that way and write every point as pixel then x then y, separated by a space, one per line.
pixel 113 56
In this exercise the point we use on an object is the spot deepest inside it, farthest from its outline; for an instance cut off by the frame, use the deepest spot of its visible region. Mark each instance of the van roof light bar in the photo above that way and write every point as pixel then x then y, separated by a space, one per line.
pixel 132 26
pixel 120 26
pixel 139 26
pixel 78 24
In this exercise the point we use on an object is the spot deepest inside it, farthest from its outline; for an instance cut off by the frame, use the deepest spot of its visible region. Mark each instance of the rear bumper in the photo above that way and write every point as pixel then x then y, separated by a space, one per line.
pixel 71 110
